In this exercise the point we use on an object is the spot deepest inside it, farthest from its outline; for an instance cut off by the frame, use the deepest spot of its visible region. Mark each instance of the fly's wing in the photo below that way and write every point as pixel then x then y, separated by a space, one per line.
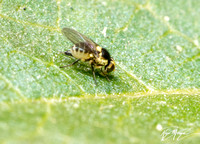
pixel 80 40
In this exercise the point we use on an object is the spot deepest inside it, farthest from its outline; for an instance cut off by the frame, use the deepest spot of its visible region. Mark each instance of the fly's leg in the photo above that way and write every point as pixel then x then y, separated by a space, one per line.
pixel 107 78
pixel 93 74
pixel 68 52
pixel 105 75
pixel 70 64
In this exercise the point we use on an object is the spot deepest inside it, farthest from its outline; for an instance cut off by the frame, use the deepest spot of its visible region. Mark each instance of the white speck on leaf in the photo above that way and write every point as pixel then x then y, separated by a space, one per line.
pixel 104 3
pixel 159 127
pixel 166 18
pixel 104 31
pixel 196 42
pixel 38 77
pixel 175 107
pixel 126 28
pixel 76 105
pixel 168 59
pixel 69 4
pixel 179 48
pixel 106 107
pixel 163 102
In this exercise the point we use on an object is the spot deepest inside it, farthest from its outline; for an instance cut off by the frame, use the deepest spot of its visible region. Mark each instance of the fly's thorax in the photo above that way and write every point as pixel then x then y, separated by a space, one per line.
pixel 103 56
pixel 101 61
pixel 96 64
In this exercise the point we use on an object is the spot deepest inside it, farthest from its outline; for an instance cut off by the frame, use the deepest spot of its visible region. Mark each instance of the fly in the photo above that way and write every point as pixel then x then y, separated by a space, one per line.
pixel 87 50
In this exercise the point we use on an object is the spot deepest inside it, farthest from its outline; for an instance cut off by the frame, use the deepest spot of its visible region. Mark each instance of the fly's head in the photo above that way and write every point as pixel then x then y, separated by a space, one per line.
pixel 110 66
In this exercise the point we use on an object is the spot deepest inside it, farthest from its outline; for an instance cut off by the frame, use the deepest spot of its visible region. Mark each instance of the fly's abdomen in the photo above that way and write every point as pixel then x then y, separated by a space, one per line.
pixel 80 53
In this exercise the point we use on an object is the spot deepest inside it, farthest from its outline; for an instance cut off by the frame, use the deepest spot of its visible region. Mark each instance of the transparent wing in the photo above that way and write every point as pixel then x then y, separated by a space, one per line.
pixel 80 39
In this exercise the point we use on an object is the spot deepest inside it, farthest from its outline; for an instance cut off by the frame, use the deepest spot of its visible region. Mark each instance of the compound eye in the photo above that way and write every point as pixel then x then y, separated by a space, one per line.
pixel 111 67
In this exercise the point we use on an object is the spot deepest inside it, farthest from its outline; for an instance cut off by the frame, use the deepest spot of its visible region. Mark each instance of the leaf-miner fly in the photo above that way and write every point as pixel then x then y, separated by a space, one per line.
pixel 85 49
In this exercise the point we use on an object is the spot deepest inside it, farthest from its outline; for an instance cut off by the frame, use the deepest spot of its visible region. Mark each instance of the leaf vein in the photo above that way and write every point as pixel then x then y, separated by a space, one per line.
pixel 136 78
pixel 170 27
pixel 30 23
pixel 122 95
pixel 16 90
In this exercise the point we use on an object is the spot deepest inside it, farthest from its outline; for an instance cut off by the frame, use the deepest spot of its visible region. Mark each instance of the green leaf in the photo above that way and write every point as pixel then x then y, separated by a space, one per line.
pixel 153 96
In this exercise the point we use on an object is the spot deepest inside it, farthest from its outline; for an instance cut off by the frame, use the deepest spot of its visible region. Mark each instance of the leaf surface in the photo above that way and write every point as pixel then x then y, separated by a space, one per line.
pixel 153 95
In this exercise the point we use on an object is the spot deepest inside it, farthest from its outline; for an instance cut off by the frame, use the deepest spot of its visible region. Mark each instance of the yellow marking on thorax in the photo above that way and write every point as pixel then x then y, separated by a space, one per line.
pixel 99 48
pixel 91 55
pixel 102 61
